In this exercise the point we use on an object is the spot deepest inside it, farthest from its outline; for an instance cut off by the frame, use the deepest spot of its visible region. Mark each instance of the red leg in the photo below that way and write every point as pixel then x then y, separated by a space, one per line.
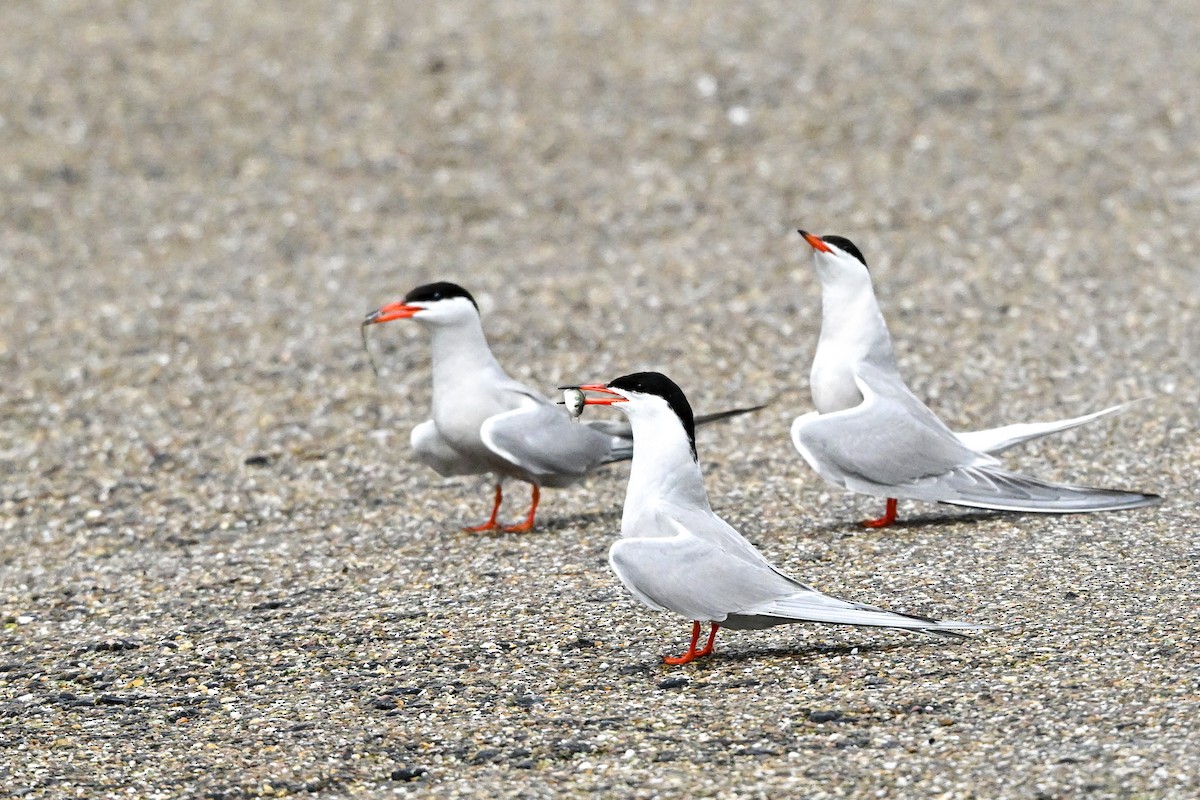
pixel 888 517
pixel 712 639
pixel 490 525
pixel 527 525
pixel 692 653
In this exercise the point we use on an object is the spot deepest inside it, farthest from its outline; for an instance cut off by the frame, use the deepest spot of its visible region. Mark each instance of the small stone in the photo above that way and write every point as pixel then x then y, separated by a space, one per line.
pixel 408 774
pixel 486 756
pixel 580 644
pixel 758 750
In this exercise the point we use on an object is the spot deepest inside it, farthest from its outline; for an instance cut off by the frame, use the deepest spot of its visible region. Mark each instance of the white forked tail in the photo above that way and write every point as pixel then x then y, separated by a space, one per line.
pixel 997 440
pixel 814 606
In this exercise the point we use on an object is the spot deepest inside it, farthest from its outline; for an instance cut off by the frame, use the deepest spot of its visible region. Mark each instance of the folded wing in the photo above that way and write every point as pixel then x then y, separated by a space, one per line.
pixel 885 441
pixel 543 440
pixel 702 569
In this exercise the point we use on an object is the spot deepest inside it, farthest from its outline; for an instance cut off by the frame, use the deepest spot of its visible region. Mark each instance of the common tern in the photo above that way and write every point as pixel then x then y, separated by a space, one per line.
pixel 675 554
pixel 485 422
pixel 871 434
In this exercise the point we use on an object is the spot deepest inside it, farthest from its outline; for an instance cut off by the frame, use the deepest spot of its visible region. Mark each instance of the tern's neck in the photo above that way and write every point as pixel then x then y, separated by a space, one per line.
pixel 461 357
pixel 852 331
pixel 664 471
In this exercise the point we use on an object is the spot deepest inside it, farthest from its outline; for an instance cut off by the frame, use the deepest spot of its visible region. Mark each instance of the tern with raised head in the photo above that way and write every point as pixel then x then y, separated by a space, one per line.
pixel 675 554
pixel 871 434
pixel 485 422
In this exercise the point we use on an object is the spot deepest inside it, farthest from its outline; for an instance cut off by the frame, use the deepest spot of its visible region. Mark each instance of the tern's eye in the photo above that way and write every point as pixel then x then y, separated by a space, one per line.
pixel 573 400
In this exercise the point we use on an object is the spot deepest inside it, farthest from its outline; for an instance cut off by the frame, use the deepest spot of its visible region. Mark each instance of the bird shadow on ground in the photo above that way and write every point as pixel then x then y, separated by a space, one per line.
pixel 925 521
pixel 809 653
pixel 583 520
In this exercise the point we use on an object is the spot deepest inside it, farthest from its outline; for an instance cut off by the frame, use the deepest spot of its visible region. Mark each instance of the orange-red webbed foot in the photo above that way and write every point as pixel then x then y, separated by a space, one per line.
pixel 692 653
pixel 527 524
pixel 887 519
pixel 491 523
pixel 712 640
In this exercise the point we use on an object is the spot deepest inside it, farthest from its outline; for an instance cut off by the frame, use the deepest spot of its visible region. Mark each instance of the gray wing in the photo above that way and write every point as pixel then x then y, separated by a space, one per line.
pixel 885 446
pixel 886 441
pixel 694 573
pixel 620 435
pixel 543 440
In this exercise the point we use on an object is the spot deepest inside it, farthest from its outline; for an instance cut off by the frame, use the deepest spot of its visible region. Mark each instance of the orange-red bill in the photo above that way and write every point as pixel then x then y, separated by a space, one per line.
pixel 391 311
pixel 601 401
pixel 815 241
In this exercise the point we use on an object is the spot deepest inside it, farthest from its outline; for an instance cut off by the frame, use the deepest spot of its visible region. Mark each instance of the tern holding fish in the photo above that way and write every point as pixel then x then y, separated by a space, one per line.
pixel 871 434
pixel 485 422
pixel 675 554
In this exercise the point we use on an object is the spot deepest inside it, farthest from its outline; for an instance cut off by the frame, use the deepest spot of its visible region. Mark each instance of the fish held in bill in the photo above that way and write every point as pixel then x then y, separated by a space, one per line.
pixel 573 399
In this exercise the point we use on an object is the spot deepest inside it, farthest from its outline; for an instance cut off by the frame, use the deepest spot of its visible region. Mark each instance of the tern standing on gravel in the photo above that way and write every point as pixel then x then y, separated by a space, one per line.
pixel 871 434
pixel 484 422
pixel 676 555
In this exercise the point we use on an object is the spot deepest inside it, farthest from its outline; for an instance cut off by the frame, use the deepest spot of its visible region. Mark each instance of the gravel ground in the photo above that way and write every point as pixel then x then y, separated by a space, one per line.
pixel 220 576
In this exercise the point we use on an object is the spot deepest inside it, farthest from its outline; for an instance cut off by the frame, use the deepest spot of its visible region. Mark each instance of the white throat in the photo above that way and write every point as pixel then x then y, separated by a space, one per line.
pixel 852 331
pixel 461 358
pixel 664 472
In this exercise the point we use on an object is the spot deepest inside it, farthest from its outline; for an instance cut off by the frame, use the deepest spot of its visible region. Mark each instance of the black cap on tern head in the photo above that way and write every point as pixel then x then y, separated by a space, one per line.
pixel 658 384
pixel 442 290
pixel 842 243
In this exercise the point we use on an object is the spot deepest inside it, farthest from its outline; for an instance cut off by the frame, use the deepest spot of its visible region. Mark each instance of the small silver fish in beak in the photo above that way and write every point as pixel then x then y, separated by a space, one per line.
pixel 362 329
pixel 573 399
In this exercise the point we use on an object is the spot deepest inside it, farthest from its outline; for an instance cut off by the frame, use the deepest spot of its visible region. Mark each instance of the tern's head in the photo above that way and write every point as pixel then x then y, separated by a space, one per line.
pixel 439 303
pixel 649 396
pixel 835 256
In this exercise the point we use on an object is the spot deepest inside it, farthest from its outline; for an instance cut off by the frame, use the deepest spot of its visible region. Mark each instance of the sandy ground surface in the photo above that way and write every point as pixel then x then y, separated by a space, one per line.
pixel 220 576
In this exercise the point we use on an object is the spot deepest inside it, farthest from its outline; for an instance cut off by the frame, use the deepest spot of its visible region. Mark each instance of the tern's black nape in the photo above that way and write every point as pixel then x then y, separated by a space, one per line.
pixel 842 243
pixel 658 384
pixel 442 290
